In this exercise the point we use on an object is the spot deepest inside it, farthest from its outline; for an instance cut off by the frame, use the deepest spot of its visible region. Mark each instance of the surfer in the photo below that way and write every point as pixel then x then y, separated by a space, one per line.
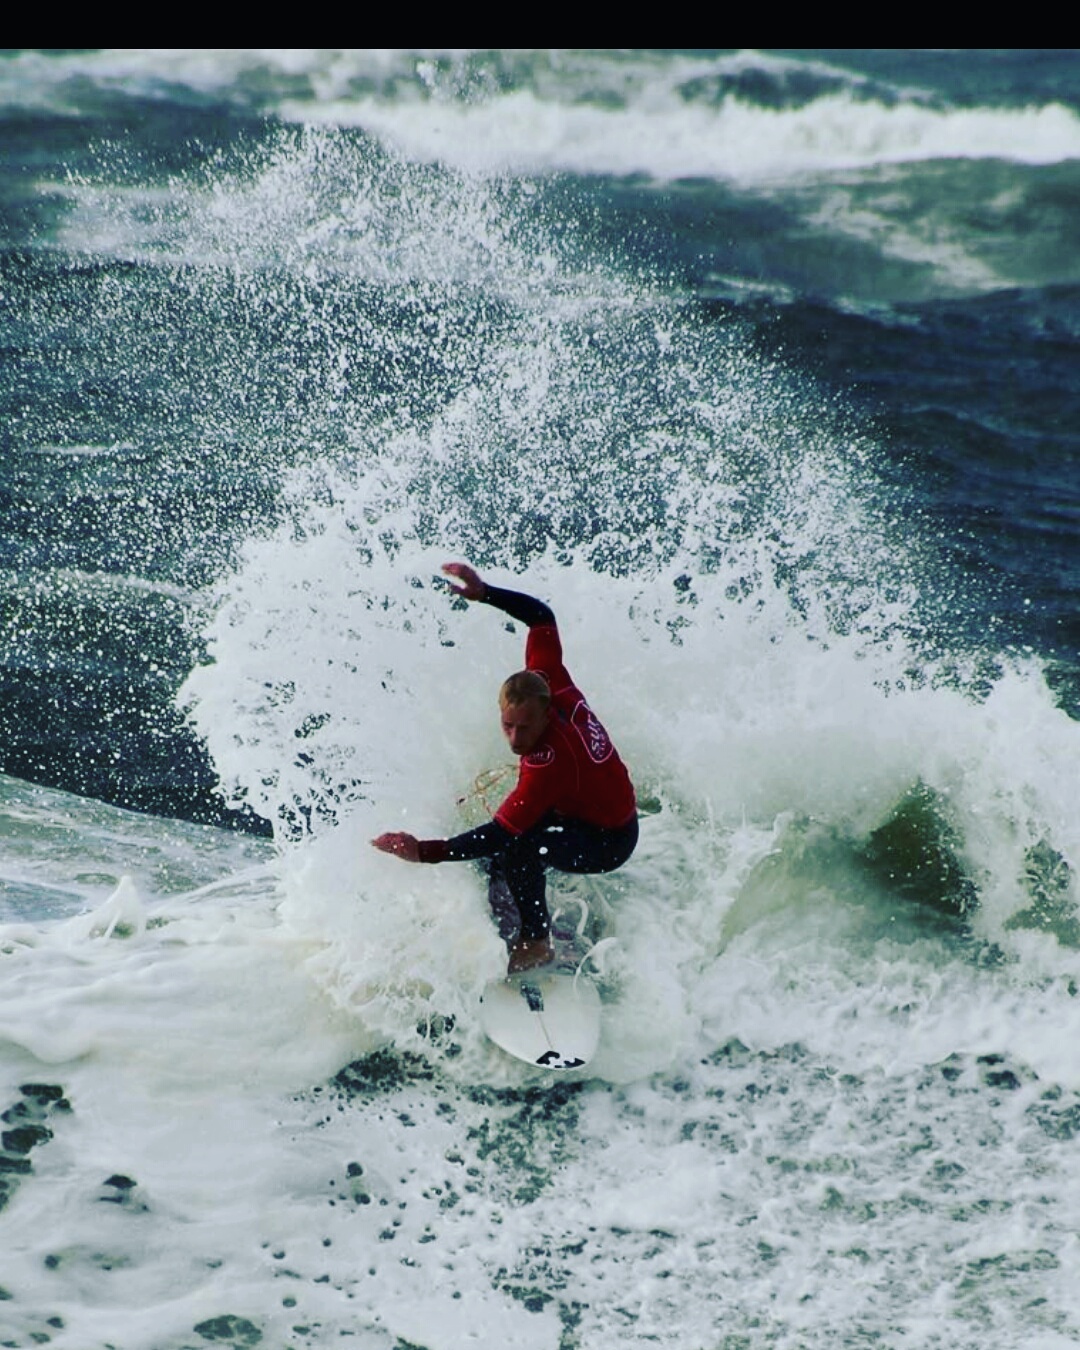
pixel 573 806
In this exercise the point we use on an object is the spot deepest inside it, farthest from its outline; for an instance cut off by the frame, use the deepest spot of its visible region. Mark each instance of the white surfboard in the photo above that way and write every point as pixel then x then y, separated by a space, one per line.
pixel 548 1017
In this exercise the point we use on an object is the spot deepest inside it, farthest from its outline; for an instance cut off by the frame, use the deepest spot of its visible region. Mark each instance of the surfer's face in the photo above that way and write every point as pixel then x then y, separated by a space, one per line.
pixel 524 724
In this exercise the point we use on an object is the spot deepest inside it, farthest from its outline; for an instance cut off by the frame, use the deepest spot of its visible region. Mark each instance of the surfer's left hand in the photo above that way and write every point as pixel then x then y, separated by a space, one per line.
pixel 471 586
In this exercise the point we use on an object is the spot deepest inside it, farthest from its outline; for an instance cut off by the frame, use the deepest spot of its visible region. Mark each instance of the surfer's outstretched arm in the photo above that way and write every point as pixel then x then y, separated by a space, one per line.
pixel 526 609
pixel 482 842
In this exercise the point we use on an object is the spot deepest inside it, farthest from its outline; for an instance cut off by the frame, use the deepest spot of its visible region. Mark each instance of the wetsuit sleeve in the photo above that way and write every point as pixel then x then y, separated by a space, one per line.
pixel 543 649
pixel 479 843
pixel 525 608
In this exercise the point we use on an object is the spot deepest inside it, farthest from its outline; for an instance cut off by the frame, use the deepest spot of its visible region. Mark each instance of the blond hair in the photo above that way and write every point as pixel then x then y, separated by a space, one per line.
pixel 522 687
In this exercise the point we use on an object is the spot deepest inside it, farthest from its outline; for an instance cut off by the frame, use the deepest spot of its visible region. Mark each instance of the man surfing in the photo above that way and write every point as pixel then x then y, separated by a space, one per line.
pixel 573 806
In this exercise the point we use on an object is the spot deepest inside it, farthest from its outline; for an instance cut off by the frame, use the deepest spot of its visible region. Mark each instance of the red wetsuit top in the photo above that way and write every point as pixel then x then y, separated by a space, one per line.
pixel 575 770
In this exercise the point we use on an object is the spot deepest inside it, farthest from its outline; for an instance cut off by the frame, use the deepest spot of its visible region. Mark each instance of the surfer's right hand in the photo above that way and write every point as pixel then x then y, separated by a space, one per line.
pixel 400 844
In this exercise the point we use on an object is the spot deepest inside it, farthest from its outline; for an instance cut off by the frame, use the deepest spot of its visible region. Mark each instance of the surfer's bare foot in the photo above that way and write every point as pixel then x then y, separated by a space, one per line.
pixel 529 953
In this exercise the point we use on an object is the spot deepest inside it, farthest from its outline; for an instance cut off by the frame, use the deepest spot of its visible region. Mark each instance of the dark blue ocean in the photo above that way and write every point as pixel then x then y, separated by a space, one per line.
pixel 763 369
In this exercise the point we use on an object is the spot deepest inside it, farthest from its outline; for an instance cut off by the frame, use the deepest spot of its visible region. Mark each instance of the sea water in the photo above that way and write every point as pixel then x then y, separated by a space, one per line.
pixel 761 369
